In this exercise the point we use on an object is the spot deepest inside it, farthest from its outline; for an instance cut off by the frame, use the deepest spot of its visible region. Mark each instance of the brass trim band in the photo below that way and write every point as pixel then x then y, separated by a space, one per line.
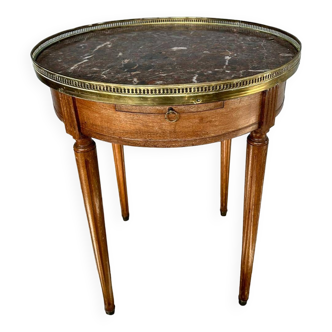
pixel 180 94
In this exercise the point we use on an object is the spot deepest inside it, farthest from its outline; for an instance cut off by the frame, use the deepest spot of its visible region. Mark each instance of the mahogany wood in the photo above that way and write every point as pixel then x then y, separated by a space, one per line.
pixel 103 121
pixel 163 109
pixel 147 126
pixel 69 114
pixel 87 165
pixel 121 179
pixel 56 104
pixel 224 174
pixel 257 144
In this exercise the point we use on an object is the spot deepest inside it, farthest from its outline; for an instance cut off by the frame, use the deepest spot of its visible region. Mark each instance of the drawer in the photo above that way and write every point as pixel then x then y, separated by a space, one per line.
pixel 164 109
pixel 167 126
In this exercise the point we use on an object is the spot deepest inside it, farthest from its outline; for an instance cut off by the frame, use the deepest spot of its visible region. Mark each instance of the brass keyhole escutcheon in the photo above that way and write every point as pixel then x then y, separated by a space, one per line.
pixel 171 115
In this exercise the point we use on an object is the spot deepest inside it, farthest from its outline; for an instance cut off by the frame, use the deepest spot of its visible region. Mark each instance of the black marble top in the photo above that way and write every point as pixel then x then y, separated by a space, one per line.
pixel 167 54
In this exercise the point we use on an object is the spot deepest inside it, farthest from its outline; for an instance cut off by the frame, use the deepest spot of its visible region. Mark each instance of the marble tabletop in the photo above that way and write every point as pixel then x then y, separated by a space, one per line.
pixel 166 54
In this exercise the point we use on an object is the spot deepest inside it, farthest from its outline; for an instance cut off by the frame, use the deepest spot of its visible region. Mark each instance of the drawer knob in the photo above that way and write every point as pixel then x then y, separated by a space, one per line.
pixel 171 115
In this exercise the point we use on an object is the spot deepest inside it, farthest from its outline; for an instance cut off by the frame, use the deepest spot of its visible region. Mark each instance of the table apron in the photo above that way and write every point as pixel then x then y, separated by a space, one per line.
pixel 137 127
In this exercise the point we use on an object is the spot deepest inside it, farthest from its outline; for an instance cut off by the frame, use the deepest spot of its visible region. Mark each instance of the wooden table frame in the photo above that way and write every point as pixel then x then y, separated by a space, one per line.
pixel 84 120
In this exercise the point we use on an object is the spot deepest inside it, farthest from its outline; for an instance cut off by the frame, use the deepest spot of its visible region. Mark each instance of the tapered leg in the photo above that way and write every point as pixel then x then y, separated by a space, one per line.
pixel 257 144
pixel 121 178
pixel 87 164
pixel 224 174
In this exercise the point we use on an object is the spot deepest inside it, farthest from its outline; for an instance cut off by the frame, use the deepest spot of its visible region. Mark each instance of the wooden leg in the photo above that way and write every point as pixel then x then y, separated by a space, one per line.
pixel 87 164
pixel 257 144
pixel 224 176
pixel 121 178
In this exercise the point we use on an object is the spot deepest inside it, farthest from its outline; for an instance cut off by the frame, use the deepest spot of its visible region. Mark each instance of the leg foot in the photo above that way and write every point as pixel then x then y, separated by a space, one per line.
pixel 223 213
pixel 241 302
pixel 110 312
pixel 126 218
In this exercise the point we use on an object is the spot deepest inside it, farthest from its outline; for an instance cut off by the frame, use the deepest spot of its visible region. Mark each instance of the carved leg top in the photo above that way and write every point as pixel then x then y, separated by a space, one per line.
pixel 85 144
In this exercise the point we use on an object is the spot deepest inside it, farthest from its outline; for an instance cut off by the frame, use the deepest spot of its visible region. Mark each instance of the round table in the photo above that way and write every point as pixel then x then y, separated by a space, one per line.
pixel 168 82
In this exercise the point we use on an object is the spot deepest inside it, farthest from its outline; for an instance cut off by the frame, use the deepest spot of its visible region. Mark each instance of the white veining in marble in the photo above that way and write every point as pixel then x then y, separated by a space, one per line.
pixel 166 56
pixel 102 45
pixel 227 58
pixel 77 64
pixel 178 48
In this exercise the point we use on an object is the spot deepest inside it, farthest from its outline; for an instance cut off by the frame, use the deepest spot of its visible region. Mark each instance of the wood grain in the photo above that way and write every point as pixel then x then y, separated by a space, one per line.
pixel 225 154
pixel 121 179
pixel 56 104
pixel 146 126
pixel 163 109
pixel 69 113
pixel 151 129
pixel 87 165
pixel 257 144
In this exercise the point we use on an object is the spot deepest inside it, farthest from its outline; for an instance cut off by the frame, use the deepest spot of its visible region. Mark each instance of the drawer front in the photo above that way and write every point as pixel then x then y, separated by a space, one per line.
pixel 158 129
pixel 164 109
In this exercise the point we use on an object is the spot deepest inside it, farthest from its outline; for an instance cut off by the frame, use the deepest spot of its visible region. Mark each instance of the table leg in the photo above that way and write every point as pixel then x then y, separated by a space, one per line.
pixel 87 164
pixel 257 144
pixel 224 174
pixel 121 179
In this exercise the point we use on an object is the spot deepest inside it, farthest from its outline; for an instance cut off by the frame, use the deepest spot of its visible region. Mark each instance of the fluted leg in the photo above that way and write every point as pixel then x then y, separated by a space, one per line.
pixel 87 164
pixel 224 174
pixel 257 144
pixel 121 178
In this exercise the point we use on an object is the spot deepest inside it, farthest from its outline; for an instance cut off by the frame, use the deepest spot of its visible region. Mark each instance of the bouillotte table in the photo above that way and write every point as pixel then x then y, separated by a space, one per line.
pixel 168 82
